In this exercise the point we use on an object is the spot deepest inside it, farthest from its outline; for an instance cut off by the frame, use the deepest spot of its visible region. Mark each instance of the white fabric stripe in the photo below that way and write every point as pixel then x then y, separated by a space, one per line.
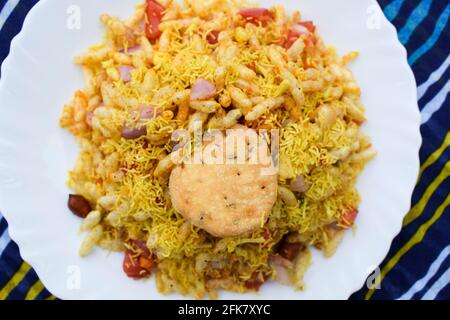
pixel 420 284
pixel 435 104
pixel 434 77
pixel 6 11
pixel 4 241
pixel 437 286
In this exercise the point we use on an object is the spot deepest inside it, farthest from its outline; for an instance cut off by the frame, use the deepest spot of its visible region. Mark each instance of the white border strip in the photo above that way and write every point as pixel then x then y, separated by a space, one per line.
pixel 435 104
pixel 440 284
pixel 434 77
pixel 4 241
pixel 420 284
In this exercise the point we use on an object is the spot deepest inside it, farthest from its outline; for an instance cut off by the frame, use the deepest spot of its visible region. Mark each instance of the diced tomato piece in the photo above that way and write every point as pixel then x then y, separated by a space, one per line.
pixel 146 263
pixel 154 12
pixel 152 29
pixel 290 250
pixel 308 25
pixel 253 284
pixel 142 247
pixel 213 37
pixel 256 282
pixel 257 15
pixel 132 267
pixel 154 9
pixel 301 28
pixel 348 217
pixel 266 234
pixel 137 263
pixel 309 39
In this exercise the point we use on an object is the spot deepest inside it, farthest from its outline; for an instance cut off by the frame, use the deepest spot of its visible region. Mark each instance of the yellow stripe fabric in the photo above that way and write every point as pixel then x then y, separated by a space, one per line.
pixel 35 289
pixel 14 281
pixel 415 239
pixel 435 155
pixel 417 210
pixel 52 297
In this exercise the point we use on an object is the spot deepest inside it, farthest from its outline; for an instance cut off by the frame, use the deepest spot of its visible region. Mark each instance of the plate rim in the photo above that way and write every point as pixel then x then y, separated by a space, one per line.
pixel 416 140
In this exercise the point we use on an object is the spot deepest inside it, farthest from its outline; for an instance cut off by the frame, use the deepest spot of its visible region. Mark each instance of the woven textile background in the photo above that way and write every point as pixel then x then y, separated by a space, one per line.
pixel 418 263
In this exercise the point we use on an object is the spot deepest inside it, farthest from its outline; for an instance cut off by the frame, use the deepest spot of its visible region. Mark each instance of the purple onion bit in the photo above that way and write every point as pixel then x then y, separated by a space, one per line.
pixel 134 133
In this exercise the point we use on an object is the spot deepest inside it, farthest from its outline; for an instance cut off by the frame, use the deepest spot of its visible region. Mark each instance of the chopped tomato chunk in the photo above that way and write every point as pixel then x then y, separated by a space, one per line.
pixel 290 250
pixel 256 281
pixel 266 234
pixel 306 28
pixel 154 12
pixel 141 246
pixel 348 217
pixel 138 264
pixel 132 267
pixel 145 263
pixel 213 37
pixel 308 25
pixel 256 15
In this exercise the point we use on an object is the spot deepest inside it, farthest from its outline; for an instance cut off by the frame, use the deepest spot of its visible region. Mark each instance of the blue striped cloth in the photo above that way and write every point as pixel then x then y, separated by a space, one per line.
pixel 418 263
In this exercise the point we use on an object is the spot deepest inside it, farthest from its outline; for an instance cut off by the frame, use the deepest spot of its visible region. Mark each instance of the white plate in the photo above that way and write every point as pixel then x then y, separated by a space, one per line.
pixel 38 77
